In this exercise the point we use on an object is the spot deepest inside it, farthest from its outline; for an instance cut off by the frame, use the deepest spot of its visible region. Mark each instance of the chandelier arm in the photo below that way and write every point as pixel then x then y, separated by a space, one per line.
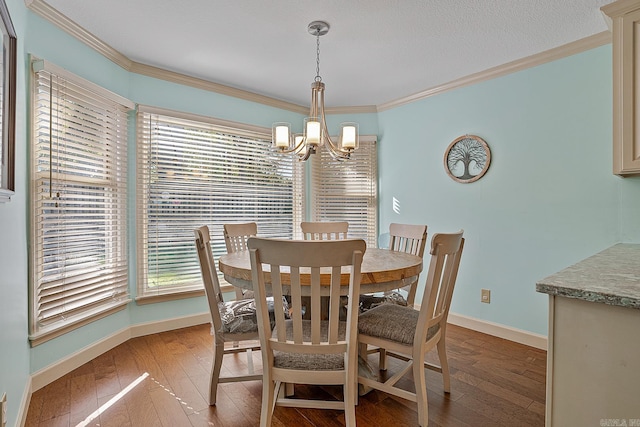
pixel 333 148
pixel 310 150
pixel 295 149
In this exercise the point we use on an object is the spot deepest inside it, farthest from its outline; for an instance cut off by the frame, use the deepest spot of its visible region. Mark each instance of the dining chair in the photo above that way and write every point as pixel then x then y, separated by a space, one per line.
pixel 235 239
pixel 314 351
pixel 411 239
pixel 408 334
pixel 236 235
pixel 325 230
pixel 239 329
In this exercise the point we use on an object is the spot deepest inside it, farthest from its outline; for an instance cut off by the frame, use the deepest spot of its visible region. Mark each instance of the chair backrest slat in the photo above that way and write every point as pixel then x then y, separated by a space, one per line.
pixel 325 230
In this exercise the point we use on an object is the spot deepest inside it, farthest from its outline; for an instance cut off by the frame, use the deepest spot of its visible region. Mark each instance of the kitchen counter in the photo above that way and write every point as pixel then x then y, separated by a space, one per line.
pixel 593 356
pixel 610 277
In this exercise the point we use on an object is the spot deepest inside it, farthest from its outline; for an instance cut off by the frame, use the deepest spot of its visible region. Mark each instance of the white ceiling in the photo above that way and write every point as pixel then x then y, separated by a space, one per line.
pixel 376 51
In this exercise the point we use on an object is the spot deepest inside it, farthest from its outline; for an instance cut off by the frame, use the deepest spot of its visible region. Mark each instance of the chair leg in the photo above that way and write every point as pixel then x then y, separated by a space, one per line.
pixel 444 364
pixel 268 401
pixel 362 350
pixel 218 353
pixel 382 361
pixel 411 297
pixel 289 389
pixel 421 390
pixel 350 393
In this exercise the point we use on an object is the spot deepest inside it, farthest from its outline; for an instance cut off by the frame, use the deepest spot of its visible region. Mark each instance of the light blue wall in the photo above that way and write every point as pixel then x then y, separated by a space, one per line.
pixel 549 198
pixel 630 209
pixel 14 345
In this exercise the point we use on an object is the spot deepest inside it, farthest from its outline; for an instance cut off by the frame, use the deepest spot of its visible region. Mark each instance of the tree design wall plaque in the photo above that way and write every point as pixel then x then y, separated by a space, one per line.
pixel 467 158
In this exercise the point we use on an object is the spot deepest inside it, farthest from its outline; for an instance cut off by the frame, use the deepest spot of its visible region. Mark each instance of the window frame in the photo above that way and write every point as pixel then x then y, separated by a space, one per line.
pixel 95 133
pixel 263 135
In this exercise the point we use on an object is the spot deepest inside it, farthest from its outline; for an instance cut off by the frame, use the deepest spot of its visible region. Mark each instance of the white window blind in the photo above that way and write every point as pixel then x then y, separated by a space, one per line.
pixel 347 190
pixel 193 171
pixel 78 197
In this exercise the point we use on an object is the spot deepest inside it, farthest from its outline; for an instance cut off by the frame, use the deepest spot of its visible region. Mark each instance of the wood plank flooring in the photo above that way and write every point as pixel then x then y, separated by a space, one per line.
pixel 494 382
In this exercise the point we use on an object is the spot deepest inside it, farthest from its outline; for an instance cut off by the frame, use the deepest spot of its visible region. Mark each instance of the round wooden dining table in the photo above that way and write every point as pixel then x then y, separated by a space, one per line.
pixel 381 269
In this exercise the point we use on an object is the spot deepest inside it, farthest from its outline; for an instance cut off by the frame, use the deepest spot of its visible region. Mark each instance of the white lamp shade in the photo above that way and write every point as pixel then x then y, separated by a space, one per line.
pixel 281 137
pixel 348 136
pixel 312 131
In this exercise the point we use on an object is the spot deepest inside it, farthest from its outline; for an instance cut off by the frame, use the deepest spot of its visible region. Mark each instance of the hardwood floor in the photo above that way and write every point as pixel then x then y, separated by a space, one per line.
pixel 494 382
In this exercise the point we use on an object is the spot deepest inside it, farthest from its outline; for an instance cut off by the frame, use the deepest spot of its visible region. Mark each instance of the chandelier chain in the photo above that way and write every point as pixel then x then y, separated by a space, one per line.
pixel 318 78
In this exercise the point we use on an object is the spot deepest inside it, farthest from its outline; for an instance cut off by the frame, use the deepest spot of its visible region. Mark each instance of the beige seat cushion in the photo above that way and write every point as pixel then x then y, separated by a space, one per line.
pixel 313 362
pixel 392 322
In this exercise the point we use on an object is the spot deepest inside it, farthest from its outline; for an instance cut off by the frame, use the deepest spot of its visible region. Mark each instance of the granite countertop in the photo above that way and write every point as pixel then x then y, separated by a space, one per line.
pixel 610 277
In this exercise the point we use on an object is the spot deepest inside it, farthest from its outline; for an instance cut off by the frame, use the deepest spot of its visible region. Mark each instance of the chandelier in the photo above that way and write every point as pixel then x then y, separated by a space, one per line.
pixel 315 134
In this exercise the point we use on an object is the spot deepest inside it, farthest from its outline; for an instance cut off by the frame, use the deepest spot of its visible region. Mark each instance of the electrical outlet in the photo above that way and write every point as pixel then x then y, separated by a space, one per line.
pixel 485 296
pixel 3 410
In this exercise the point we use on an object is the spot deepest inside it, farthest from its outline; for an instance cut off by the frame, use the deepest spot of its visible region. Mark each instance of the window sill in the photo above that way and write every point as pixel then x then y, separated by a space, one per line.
pixel 172 296
pixel 42 337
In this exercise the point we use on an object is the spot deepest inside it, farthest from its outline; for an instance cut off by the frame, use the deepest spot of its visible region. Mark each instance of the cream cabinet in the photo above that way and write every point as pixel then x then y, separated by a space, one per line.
pixel 593 355
pixel 625 25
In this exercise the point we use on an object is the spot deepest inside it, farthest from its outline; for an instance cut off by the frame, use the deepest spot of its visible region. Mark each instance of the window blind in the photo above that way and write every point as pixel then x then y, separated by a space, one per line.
pixel 78 194
pixel 347 190
pixel 193 171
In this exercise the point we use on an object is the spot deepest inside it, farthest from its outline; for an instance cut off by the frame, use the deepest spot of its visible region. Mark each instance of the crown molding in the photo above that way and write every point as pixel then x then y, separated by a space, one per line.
pixel 174 77
pixel 58 19
pixel 67 25
pixel 363 109
pixel 569 49
pixel 619 8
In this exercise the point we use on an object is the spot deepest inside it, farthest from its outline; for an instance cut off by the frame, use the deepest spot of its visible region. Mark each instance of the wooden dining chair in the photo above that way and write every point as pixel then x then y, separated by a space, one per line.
pixel 314 351
pixel 411 239
pixel 241 330
pixel 236 235
pixel 235 239
pixel 409 334
pixel 325 230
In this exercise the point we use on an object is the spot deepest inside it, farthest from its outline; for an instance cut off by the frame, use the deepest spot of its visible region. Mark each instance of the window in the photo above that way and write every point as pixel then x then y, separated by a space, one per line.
pixel 347 191
pixel 195 171
pixel 78 198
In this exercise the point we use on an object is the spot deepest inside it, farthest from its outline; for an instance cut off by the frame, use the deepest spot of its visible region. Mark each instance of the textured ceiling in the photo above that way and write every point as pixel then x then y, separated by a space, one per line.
pixel 376 51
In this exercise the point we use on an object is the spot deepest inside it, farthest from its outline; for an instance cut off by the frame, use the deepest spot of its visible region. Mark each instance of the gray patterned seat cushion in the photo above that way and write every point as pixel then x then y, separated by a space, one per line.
pixel 239 316
pixel 369 301
pixel 313 362
pixel 392 322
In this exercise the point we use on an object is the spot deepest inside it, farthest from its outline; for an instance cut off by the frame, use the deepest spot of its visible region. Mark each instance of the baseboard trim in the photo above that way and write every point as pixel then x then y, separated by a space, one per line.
pixel 498 330
pixel 62 367
pixel 149 328
pixel 24 404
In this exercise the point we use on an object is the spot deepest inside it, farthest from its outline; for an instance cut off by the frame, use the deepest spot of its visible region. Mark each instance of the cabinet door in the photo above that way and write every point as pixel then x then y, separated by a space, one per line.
pixel 626 91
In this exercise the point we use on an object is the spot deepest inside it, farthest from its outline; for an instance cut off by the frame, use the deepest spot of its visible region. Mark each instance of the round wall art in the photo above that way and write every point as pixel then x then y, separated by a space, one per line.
pixel 467 158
